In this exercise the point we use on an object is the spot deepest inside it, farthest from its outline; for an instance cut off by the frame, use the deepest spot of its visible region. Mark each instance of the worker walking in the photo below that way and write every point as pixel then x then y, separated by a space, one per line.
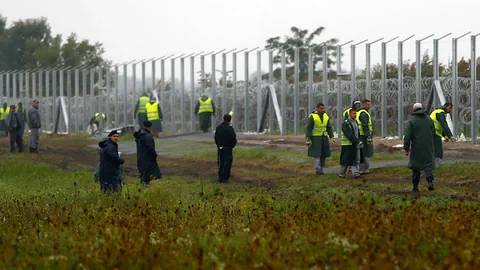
pixel 439 117
pixel 22 116
pixel 140 109
pixel 14 126
pixel 110 162
pixel 365 126
pixel 35 124
pixel 225 139
pixel 418 144
pixel 154 116
pixel 317 134
pixel 356 104
pixel 205 108
pixel 4 111
pixel 95 121
pixel 351 145
pixel 146 154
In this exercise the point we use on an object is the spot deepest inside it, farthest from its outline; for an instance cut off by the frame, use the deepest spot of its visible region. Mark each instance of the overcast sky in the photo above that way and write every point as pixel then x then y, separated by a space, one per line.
pixel 144 29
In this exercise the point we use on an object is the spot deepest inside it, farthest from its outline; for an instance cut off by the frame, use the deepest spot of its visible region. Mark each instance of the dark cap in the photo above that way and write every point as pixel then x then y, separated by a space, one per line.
pixel 147 124
pixel 113 132
pixel 36 101
pixel 12 106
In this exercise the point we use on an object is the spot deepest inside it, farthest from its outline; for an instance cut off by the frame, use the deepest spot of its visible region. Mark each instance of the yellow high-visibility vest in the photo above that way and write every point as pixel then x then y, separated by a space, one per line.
pixel 370 124
pixel 438 127
pixel 205 106
pixel 97 119
pixel 143 102
pixel 4 113
pixel 319 127
pixel 152 111
pixel 346 113
pixel 345 140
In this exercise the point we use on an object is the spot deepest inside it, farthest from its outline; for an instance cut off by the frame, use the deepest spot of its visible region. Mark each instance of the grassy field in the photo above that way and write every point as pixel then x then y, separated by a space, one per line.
pixel 270 217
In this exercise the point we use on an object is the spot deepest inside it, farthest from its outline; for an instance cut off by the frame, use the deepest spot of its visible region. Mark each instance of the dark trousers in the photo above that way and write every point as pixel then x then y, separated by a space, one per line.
pixel 225 166
pixel 16 137
pixel 110 188
pixel 416 176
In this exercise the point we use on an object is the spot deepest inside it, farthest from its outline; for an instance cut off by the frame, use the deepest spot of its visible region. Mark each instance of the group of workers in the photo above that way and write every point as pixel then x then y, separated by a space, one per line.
pixel 13 122
pixel 422 141
pixel 149 115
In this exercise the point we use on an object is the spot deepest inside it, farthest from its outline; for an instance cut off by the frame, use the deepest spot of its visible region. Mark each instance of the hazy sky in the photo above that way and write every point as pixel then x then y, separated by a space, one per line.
pixel 144 29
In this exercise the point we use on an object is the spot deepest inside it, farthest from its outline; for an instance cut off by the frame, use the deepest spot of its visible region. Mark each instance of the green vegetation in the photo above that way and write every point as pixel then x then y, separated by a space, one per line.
pixel 54 216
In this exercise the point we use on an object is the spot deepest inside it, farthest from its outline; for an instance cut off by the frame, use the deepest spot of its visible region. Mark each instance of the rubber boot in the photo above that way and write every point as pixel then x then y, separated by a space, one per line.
pixel 430 184
pixel 415 185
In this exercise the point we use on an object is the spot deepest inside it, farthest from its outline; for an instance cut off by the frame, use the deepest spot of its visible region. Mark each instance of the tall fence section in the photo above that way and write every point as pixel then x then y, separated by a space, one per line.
pixel 72 95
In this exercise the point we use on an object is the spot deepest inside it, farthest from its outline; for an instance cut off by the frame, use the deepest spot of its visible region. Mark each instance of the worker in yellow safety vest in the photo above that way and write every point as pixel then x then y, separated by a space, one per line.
pixel 439 117
pixel 317 134
pixel 351 145
pixel 140 110
pixel 365 126
pixel 205 108
pixel 4 111
pixel 154 115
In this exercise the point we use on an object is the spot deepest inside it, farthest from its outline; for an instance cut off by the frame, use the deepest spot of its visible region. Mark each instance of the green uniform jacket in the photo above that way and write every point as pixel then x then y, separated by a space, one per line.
pixel 320 145
pixel 367 148
pixel 419 137
pixel 349 156
pixel 442 119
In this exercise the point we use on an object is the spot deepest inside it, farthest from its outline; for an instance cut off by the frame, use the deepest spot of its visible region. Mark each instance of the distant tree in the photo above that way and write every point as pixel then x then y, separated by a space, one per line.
pixel 302 40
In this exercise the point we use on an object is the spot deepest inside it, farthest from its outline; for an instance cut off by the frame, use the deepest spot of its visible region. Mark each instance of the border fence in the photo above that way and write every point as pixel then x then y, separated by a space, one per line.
pixel 114 90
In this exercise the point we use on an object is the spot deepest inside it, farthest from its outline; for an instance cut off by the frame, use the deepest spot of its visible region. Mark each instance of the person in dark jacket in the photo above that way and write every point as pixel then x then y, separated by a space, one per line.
pixel 318 132
pixel 439 117
pixel 146 154
pixel 205 108
pixel 225 139
pixel 22 116
pixel 418 143
pixel 14 126
pixel 35 124
pixel 110 162
pixel 351 144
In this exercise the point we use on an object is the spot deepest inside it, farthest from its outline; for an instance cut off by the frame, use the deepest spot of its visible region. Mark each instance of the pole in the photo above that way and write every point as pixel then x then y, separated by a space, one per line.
pixel 353 76
pixel 418 68
pixel 247 88
pixel 310 78
pixel 182 94
pixel 125 94
pixel 368 75
pixel 297 91
pixel 400 90
pixel 259 89
pixel 473 84
pixel 172 95
pixel 224 84
pixel 234 86
pixel 339 92
pixel 270 82
pixel 325 76
pixel 384 89
pixel 454 112
pixel 283 94
pixel 192 93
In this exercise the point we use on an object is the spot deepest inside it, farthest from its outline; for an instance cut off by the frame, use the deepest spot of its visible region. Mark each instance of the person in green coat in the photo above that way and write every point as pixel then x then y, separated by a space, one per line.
pixel 317 134
pixel 418 145
pixel 22 116
pixel 439 117
pixel 351 144
pixel 140 110
pixel 365 126
pixel 205 108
